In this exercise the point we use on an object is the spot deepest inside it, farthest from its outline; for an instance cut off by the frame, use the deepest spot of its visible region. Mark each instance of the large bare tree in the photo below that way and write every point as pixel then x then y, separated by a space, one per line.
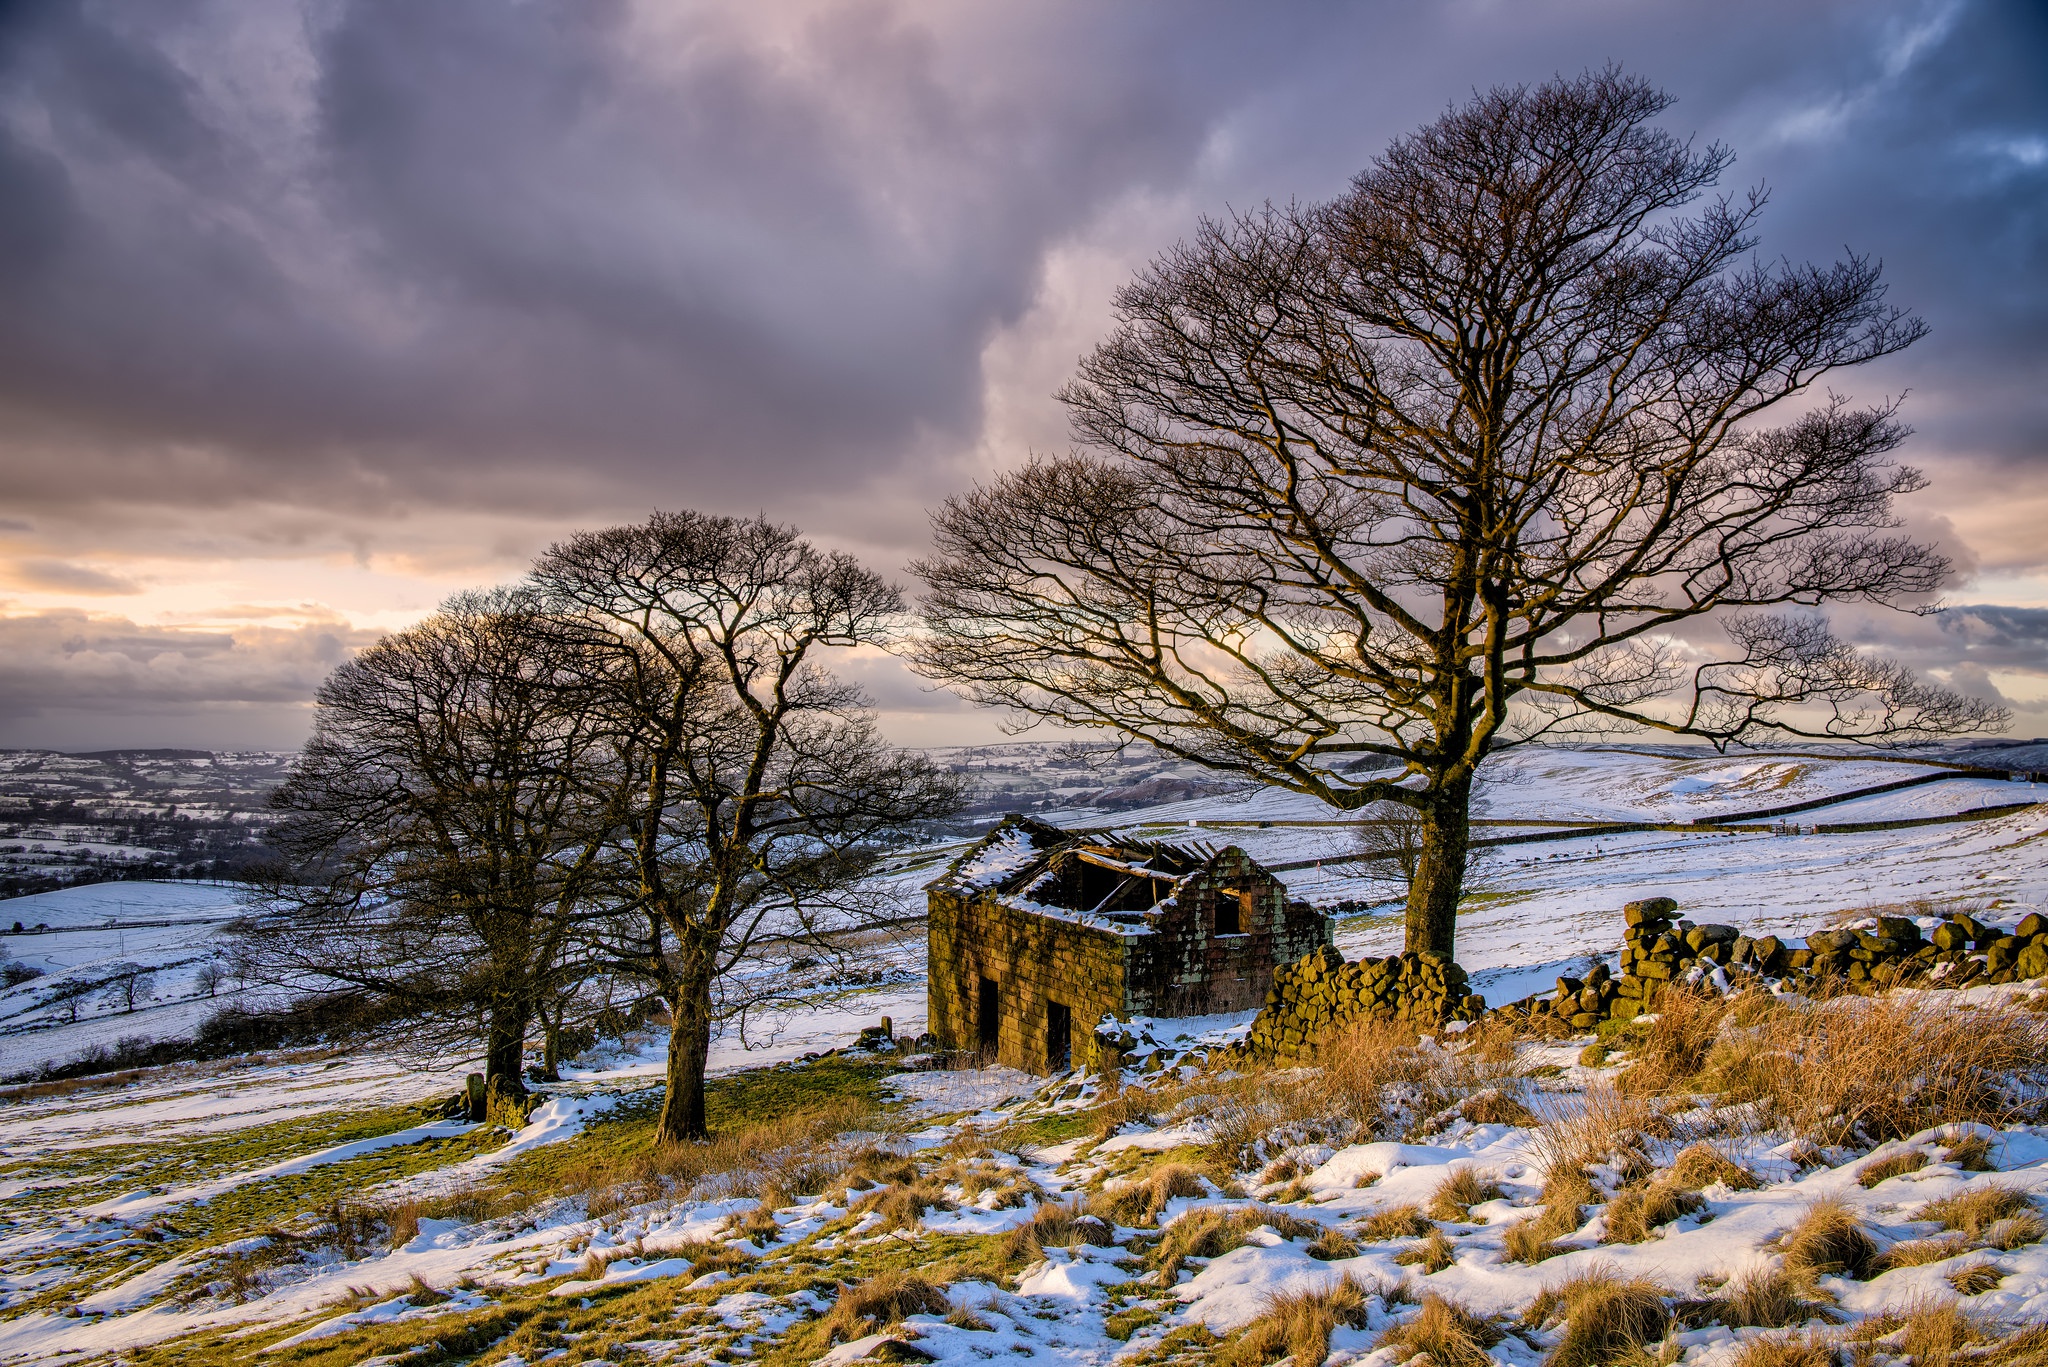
pixel 441 842
pixel 1474 454
pixel 756 793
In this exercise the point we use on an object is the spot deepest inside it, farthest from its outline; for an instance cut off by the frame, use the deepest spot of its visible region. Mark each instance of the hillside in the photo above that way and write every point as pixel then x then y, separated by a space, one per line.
pixel 295 1198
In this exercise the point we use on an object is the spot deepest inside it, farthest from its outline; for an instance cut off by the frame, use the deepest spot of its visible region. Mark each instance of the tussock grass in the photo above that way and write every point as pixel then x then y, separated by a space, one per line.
pixel 1765 1298
pixel 1565 1193
pixel 1971 1153
pixel 1333 1245
pixel 1675 1046
pixel 1911 1160
pixel 1637 1211
pixel 1975 1279
pixel 1445 1332
pixel 1433 1254
pixel 1459 1192
pixel 1701 1165
pixel 1608 1318
pixel 1395 1222
pixel 1606 1127
pixel 1829 1241
pixel 1298 1325
pixel 1975 1211
pixel 1055 1225
pixel 901 1205
pixel 1787 1350
pixel 1140 1202
pixel 1211 1233
pixel 882 1300
pixel 1920 1252
pixel 2016 1232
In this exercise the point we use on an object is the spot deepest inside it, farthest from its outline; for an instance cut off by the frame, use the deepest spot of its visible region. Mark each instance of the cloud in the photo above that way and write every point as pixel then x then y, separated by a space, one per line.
pixel 70 678
pixel 57 576
pixel 432 284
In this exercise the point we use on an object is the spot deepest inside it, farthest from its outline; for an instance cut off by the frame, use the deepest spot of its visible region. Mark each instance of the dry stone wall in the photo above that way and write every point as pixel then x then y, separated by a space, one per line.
pixel 1322 992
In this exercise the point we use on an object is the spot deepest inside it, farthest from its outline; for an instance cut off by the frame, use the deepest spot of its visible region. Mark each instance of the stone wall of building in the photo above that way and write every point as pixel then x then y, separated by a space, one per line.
pixel 1186 969
pixel 1036 961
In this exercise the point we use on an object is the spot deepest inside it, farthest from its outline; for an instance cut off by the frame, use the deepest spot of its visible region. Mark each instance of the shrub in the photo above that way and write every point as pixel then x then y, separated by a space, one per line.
pixel 1298 1325
pixel 1445 1332
pixel 1607 1317
pixel 880 1301
pixel 1828 1240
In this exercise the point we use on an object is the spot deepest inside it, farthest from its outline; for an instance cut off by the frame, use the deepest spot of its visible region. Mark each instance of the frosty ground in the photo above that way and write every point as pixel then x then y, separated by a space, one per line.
pixel 308 1208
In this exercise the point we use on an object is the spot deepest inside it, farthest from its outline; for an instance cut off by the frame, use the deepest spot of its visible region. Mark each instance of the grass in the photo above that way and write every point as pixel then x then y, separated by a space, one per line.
pixel 1395 1222
pixel 1787 1350
pixel 1445 1332
pixel 1141 1202
pixel 1974 1212
pixel 1637 1211
pixel 880 1301
pixel 1607 1318
pixel 1897 1165
pixel 1565 1193
pixel 1298 1325
pixel 1828 1241
pixel 1433 1254
pixel 1459 1192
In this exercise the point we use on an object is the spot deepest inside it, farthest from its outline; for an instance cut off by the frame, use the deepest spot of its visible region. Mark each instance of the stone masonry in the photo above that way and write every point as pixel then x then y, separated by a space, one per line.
pixel 1036 930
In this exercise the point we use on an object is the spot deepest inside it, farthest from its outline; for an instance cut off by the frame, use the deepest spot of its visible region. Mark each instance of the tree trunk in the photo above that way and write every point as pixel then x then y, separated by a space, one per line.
pixel 505 1049
pixel 551 1042
pixel 1440 873
pixel 689 1049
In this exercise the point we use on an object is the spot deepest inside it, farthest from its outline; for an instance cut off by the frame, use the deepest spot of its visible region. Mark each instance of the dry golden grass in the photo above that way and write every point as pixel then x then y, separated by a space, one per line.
pixel 1638 1210
pixel 1433 1254
pixel 1701 1165
pixel 1376 1073
pixel 2015 1232
pixel 1674 1046
pixel 1298 1325
pixel 756 1156
pixel 1766 1298
pixel 1056 1225
pixel 1565 1193
pixel 1787 1350
pixel 901 1205
pixel 1936 1333
pixel 1828 1241
pixel 880 1301
pixel 1920 1252
pixel 1396 1222
pixel 1975 1279
pixel 1971 1153
pixel 1604 1127
pixel 1445 1332
pixel 1459 1192
pixel 1211 1233
pixel 1608 1318
pixel 1911 1160
pixel 1975 1211
pixel 1140 1202
pixel 1333 1245
pixel 1881 1068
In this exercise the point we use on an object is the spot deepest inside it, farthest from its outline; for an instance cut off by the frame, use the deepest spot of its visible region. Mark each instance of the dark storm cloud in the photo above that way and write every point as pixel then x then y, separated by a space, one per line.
pixel 266 270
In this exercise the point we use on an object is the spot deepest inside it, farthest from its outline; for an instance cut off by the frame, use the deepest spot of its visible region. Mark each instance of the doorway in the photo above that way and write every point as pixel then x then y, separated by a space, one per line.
pixel 1059 1037
pixel 988 1020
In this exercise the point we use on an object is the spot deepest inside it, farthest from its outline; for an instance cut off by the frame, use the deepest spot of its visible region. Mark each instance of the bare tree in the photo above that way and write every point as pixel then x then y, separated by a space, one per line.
pixel 440 846
pixel 1469 456
pixel 758 792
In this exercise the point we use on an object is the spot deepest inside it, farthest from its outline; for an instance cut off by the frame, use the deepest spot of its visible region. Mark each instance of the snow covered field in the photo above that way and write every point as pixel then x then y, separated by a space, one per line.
pixel 138 1214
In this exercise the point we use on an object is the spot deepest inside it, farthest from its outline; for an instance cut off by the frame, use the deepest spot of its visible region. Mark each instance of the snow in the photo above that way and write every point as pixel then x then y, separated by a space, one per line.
pixel 1539 910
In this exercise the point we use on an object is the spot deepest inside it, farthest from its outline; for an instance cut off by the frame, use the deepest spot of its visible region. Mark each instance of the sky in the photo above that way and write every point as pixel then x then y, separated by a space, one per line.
pixel 311 314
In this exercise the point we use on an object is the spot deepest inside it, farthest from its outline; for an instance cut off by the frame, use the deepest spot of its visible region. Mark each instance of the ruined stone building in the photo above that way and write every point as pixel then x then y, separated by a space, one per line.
pixel 1036 933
